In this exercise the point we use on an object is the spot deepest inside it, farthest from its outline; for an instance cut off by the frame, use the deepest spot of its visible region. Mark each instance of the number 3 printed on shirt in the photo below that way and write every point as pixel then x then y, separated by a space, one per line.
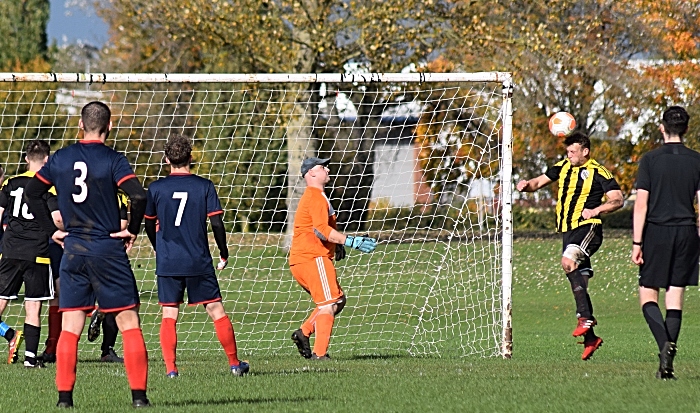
pixel 80 182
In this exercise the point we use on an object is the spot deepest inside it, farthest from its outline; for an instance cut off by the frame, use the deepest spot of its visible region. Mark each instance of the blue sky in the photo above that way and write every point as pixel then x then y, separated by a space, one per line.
pixel 78 25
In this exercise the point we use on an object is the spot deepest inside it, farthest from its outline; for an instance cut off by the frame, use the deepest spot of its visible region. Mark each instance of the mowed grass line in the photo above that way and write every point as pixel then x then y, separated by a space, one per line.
pixel 545 374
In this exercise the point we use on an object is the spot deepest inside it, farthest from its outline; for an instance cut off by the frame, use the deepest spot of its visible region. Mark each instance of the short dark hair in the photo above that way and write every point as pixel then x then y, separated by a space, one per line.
pixel 675 120
pixel 580 138
pixel 96 116
pixel 37 150
pixel 178 150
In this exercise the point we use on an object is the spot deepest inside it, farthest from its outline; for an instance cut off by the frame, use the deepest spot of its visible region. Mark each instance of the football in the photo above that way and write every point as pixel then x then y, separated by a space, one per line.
pixel 562 124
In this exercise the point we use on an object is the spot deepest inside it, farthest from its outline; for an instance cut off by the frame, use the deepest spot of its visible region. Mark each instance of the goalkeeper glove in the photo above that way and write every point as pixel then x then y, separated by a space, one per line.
pixel 339 252
pixel 223 262
pixel 364 244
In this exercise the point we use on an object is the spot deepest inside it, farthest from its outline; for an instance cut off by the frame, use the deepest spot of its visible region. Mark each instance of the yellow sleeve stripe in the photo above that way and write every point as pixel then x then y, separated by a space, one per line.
pixel 603 171
pixel 43 260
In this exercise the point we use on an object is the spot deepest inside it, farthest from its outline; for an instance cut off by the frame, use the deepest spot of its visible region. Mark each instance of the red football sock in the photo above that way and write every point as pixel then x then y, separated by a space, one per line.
pixel 135 358
pixel 168 343
pixel 309 326
pixel 324 326
pixel 227 338
pixel 55 323
pixel 66 360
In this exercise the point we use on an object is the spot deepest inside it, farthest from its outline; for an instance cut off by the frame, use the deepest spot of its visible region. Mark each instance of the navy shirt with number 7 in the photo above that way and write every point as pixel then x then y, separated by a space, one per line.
pixel 182 203
pixel 86 176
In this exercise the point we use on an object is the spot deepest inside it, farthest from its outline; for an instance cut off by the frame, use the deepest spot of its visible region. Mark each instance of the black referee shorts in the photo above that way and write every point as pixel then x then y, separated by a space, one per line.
pixel 670 256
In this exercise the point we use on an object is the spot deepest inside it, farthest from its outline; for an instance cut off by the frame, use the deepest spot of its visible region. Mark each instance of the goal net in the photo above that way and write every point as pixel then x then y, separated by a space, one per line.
pixel 420 161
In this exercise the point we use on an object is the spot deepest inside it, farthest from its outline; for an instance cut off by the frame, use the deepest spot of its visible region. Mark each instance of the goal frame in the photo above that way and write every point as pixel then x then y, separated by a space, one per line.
pixel 506 113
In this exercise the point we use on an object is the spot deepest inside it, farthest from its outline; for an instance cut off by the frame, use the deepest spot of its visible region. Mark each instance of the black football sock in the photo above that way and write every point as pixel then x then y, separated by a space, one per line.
pixel 589 336
pixel 578 287
pixel 6 331
pixel 655 320
pixel 590 304
pixel 109 331
pixel 31 342
pixel 673 324
pixel 9 334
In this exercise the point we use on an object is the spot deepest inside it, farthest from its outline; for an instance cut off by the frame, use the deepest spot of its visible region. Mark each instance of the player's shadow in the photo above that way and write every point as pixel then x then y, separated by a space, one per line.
pixel 237 401
pixel 300 370
pixel 378 357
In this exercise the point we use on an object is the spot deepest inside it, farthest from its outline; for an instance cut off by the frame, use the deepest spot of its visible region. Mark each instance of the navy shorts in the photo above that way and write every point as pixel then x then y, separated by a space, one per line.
pixel 109 280
pixel 670 255
pixel 38 285
pixel 202 289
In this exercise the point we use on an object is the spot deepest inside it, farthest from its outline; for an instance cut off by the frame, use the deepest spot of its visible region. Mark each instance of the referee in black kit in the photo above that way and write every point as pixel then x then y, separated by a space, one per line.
pixel 666 244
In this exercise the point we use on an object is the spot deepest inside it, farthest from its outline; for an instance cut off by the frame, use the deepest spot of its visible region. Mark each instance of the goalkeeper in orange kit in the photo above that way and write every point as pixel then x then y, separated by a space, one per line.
pixel 314 244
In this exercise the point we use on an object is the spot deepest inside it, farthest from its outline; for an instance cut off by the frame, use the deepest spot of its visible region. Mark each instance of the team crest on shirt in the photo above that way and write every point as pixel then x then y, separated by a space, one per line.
pixel 584 174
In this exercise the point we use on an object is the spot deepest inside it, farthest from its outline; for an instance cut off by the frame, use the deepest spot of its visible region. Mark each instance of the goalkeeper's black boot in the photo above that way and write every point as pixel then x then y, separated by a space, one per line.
pixel 302 343
pixel 95 322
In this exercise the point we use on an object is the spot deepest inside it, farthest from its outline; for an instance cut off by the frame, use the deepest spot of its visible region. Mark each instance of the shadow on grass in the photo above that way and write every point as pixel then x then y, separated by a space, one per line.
pixel 380 357
pixel 300 370
pixel 237 400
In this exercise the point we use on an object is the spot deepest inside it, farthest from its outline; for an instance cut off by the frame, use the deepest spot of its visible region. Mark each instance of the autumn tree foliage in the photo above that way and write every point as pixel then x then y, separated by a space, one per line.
pixel 615 65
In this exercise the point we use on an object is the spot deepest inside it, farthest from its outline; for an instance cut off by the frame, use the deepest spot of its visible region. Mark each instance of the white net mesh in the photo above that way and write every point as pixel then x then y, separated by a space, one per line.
pixel 418 166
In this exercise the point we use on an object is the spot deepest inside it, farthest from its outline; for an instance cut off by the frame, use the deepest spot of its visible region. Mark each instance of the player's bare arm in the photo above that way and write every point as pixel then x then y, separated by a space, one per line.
pixel 638 220
pixel 532 185
pixel 613 202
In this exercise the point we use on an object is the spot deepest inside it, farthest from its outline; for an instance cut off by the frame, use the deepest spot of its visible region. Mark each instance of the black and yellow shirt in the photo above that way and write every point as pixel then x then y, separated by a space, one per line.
pixel 23 239
pixel 580 187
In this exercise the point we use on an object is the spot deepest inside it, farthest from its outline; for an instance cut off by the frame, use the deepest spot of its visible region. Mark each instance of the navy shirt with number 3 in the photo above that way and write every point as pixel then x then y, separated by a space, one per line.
pixel 182 204
pixel 86 176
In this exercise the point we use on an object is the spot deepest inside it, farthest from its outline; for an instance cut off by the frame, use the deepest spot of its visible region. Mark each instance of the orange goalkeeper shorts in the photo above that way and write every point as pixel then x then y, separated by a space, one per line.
pixel 318 278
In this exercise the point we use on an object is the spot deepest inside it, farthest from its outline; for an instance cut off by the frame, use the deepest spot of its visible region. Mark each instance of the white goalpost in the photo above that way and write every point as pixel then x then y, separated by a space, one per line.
pixel 420 161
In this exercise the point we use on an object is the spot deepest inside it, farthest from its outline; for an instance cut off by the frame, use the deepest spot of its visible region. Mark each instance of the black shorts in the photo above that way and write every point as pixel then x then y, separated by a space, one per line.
pixel 202 289
pixel 38 284
pixel 55 255
pixel 670 256
pixel 582 242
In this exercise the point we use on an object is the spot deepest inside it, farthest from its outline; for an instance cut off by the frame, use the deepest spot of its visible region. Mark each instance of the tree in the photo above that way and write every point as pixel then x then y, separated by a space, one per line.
pixel 23 31
pixel 282 36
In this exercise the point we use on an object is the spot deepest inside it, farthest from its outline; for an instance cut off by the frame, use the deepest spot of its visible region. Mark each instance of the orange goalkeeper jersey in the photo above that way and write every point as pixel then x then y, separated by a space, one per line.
pixel 313 222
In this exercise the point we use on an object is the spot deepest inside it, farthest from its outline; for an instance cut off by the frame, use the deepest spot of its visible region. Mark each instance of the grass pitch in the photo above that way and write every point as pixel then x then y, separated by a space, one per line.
pixel 545 374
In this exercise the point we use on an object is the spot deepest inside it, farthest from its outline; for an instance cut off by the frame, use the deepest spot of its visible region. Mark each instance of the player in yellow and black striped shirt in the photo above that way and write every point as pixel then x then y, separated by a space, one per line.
pixel 583 185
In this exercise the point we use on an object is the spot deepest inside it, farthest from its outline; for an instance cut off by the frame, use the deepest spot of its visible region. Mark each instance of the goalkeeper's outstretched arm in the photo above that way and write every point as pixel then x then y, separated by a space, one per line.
pixel 362 243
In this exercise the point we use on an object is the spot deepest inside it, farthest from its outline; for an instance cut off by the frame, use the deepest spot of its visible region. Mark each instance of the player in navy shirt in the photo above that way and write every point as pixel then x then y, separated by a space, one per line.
pixel 95 266
pixel 181 203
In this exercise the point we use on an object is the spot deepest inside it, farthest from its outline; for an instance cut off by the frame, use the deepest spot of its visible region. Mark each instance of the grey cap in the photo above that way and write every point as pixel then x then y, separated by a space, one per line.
pixel 309 163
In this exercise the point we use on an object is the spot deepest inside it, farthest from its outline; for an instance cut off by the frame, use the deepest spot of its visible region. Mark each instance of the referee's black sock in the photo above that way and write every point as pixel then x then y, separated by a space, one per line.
pixel 673 324
pixel 655 320
pixel 578 287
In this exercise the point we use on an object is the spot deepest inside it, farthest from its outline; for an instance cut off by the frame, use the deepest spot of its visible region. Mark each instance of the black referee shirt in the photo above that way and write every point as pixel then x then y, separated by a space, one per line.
pixel 671 174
